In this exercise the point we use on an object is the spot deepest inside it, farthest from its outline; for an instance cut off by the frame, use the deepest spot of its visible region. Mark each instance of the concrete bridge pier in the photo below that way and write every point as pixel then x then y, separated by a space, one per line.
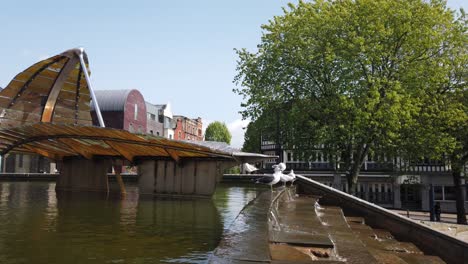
pixel 196 177
pixel 80 174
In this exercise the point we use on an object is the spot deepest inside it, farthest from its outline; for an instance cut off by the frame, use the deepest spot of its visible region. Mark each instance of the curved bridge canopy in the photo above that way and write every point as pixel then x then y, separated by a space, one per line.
pixel 59 141
pixel 53 90
pixel 46 110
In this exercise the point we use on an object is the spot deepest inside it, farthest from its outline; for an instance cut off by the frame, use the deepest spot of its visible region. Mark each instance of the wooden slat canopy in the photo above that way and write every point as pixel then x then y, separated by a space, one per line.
pixel 57 141
pixel 46 110
pixel 52 90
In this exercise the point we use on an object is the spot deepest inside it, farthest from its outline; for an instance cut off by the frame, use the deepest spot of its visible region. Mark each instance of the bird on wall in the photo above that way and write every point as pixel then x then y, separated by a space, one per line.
pixel 282 166
pixel 285 178
pixel 271 179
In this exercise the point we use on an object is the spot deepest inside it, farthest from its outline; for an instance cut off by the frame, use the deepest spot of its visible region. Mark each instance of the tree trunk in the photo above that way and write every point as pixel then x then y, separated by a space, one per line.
pixel 352 175
pixel 460 201
pixel 352 178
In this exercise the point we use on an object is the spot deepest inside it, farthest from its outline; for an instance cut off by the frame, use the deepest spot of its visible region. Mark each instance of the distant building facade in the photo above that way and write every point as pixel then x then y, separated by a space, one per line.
pixel 188 129
pixel 27 163
pixel 388 181
pixel 160 121
pixel 122 109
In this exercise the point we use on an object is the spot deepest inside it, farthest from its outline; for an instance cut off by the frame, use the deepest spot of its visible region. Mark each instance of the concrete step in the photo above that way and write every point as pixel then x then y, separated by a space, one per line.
pixel 355 219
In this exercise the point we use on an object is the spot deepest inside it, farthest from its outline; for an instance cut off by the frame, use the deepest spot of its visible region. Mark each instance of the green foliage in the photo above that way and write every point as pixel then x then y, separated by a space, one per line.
pixel 252 138
pixel 233 170
pixel 354 75
pixel 218 131
pixel 264 126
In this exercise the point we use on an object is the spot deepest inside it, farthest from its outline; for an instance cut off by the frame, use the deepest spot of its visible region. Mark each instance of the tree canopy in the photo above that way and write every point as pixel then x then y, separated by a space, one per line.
pixel 354 76
pixel 218 131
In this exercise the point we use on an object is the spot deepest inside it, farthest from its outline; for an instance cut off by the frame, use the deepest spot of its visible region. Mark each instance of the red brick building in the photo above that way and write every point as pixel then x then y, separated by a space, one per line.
pixel 188 129
pixel 123 109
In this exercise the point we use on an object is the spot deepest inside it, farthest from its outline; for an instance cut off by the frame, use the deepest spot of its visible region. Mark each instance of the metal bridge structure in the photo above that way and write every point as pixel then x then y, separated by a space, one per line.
pixel 46 110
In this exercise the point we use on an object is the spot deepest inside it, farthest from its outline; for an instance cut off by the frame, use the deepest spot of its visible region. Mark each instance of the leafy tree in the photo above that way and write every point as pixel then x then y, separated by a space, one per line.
pixel 218 131
pixel 252 138
pixel 442 133
pixel 351 76
pixel 440 130
pixel 265 127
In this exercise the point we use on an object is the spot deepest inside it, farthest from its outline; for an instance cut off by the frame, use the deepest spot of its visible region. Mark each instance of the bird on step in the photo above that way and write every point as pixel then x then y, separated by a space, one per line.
pixel 271 179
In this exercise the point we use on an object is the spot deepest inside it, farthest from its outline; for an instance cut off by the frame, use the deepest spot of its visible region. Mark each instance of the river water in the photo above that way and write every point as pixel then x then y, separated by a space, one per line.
pixel 39 226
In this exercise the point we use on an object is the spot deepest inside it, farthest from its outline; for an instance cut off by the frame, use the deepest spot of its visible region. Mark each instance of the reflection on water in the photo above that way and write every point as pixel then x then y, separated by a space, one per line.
pixel 39 226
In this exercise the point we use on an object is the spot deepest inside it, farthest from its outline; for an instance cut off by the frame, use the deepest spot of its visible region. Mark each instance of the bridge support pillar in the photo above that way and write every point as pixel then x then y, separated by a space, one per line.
pixel 79 174
pixel 188 177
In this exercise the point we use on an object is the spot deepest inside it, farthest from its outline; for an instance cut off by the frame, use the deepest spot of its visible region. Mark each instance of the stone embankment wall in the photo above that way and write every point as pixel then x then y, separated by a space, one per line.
pixel 429 240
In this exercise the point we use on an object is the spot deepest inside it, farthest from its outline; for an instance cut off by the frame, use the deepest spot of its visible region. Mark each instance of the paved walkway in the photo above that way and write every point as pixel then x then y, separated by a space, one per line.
pixel 447 225
pixel 424 216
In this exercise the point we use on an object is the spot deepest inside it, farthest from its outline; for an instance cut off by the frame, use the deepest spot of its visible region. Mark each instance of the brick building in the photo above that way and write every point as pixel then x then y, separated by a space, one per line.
pixel 188 129
pixel 122 109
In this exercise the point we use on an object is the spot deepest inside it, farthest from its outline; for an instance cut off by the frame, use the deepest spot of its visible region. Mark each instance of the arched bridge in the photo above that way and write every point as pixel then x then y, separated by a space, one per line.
pixel 45 110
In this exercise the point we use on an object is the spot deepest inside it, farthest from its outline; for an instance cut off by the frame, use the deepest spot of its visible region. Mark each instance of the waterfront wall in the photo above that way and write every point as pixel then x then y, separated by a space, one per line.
pixel 429 240
pixel 188 177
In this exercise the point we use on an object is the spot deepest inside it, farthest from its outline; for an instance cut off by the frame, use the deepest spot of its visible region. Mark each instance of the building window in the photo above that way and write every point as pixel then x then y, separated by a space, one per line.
pixel 444 193
pixel 449 193
pixel 130 128
pixel 136 112
pixel 157 133
pixel 152 117
pixel 289 156
pixel 438 193
pixel 170 136
pixel 180 135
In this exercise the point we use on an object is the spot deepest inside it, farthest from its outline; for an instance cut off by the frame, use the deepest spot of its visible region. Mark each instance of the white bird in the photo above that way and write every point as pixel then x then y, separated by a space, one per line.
pixel 281 165
pixel 271 179
pixel 291 177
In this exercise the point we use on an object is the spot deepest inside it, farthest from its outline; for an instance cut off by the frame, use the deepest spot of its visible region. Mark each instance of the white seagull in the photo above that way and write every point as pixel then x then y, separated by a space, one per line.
pixel 281 165
pixel 291 177
pixel 271 179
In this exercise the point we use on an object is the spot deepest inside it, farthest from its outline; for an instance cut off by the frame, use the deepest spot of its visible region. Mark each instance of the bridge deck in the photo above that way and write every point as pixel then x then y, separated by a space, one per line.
pixel 58 141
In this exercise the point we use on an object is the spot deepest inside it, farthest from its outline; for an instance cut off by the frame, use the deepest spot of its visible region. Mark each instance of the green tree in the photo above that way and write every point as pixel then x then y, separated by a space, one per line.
pixel 218 131
pixel 442 133
pixel 440 130
pixel 349 75
pixel 264 126
pixel 252 138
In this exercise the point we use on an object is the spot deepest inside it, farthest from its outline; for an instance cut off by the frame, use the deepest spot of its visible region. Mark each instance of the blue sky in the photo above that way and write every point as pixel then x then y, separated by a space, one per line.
pixel 172 51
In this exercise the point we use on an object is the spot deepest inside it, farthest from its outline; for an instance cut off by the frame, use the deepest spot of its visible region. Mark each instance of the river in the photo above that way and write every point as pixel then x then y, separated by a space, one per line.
pixel 37 225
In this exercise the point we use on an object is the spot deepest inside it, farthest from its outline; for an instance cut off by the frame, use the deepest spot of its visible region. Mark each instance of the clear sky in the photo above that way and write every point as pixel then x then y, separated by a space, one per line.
pixel 172 51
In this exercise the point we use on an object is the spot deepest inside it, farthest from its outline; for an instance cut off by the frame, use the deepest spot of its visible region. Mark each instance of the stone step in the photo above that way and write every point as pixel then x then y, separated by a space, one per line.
pixel 348 245
pixel 355 219
pixel 420 259
pixel 300 238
